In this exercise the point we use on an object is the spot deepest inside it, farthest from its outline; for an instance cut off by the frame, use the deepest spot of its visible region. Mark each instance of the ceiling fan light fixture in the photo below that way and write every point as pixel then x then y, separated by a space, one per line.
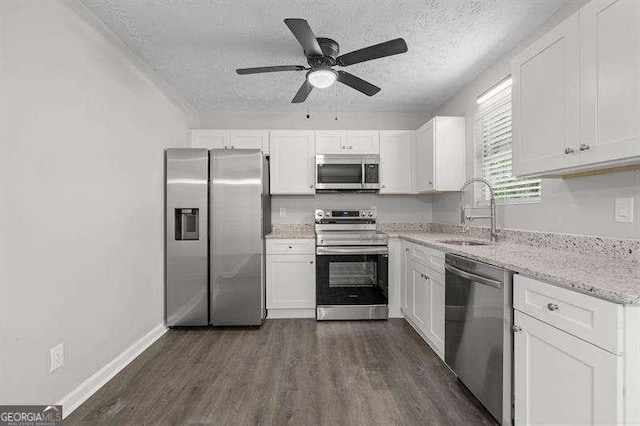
pixel 322 78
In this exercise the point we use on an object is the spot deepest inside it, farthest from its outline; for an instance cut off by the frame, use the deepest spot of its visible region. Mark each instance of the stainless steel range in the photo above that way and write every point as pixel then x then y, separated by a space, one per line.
pixel 352 260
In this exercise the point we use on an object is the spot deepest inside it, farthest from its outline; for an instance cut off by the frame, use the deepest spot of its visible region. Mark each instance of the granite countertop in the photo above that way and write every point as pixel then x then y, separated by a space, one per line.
pixel 609 278
pixel 291 232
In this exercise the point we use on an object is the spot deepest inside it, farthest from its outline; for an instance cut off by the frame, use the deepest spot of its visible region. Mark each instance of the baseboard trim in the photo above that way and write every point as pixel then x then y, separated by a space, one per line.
pixel 80 394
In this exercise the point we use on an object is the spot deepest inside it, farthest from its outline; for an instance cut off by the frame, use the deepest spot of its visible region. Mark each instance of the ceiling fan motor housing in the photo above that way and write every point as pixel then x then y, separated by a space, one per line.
pixel 330 50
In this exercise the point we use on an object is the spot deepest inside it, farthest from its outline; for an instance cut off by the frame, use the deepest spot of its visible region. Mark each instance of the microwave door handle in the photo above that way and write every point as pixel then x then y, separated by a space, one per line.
pixel 363 179
pixel 473 277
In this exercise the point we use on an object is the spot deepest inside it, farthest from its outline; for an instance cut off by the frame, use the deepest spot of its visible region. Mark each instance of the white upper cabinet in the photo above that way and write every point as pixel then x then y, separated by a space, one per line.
pixel 363 141
pixel 249 139
pixel 610 81
pixel 576 93
pixel 292 162
pixel 396 152
pixel 347 142
pixel 545 101
pixel 210 139
pixel 331 142
pixel 439 159
pixel 230 139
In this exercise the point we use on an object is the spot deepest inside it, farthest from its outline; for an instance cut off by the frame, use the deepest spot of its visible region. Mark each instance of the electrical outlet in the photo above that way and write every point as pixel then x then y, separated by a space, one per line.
pixel 282 211
pixel 624 210
pixel 56 356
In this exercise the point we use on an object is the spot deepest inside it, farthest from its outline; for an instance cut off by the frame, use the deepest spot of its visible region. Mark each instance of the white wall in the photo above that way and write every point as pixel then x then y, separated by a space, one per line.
pixel 319 121
pixel 580 205
pixel 85 128
pixel 391 208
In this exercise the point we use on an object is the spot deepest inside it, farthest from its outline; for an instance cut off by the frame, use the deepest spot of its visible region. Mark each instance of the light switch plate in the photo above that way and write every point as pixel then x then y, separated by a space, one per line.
pixel 282 211
pixel 624 210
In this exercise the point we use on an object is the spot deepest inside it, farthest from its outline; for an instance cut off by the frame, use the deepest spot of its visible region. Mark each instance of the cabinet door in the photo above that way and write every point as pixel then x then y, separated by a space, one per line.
pixel 363 142
pixel 395 277
pixel 210 139
pixel 560 379
pixel 292 162
pixel 395 162
pixel 420 307
pixel 610 80
pixel 331 142
pixel 545 102
pixel 406 290
pixel 249 139
pixel 424 158
pixel 291 281
pixel 435 331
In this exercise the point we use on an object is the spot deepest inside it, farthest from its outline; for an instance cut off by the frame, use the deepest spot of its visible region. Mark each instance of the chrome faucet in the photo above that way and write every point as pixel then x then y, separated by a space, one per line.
pixel 464 216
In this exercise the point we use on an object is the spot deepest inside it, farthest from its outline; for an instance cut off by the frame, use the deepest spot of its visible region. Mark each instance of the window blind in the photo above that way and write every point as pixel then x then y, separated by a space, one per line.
pixel 493 144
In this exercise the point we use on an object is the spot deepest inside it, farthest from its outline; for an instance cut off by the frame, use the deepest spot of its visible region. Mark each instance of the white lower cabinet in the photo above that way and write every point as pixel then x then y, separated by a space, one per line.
pixel 561 379
pixel 290 281
pixel 422 294
pixel 576 358
pixel 395 278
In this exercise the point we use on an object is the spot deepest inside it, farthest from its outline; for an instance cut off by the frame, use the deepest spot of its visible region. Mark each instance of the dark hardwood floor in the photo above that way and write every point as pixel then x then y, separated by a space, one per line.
pixel 286 372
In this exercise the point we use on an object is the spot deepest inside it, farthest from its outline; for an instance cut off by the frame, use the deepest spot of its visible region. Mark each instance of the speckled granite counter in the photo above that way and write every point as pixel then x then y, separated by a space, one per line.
pixel 292 231
pixel 611 278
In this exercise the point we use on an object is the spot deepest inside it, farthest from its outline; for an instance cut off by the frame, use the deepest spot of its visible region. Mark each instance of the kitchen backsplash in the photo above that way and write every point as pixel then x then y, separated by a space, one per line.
pixel 391 208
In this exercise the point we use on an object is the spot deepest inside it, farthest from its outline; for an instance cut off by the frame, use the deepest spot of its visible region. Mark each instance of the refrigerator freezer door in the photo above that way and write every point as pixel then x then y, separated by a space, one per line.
pixel 186 237
pixel 236 244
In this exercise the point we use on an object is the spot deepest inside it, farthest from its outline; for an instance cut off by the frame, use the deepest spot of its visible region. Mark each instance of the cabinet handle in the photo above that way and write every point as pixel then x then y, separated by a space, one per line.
pixel 584 147
pixel 226 147
pixel 350 146
pixel 406 250
pixel 311 261
pixel 290 247
pixel 383 186
pixel 569 150
pixel 233 147
pixel 430 182
pixel 552 307
pixel 310 185
pixel 516 328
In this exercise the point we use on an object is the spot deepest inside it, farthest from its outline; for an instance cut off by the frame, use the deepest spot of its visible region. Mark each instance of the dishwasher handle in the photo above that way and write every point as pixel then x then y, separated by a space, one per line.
pixel 473 277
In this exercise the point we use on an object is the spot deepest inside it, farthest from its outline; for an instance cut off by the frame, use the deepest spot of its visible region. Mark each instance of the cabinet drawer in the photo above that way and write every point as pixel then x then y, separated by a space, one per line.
pixel 292 246
pixel 425 256
pixel 594 320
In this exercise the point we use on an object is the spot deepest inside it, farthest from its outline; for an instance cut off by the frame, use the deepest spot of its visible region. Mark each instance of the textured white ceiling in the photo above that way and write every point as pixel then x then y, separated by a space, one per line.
pixel 196 46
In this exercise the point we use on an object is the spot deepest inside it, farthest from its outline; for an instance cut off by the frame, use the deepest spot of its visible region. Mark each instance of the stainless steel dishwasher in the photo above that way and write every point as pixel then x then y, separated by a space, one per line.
pixel 478 321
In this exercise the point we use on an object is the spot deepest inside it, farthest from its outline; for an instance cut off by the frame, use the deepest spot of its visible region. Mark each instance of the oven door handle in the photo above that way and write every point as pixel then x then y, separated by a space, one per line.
pixel 473 277
pixel 351 250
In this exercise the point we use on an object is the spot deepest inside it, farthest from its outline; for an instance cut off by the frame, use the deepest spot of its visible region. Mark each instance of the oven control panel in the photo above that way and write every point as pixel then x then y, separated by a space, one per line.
pixel 321 214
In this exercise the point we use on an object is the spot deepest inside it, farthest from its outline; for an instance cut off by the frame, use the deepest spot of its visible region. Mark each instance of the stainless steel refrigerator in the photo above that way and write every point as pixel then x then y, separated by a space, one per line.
pixel 218 210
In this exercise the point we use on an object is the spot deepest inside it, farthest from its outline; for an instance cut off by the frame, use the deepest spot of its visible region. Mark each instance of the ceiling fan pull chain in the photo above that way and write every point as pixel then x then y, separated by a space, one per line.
pixel 308 91
pixel 336 101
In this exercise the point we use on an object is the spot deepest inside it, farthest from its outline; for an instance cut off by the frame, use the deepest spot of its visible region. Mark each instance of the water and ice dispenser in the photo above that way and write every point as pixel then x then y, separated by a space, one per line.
pixel 187 224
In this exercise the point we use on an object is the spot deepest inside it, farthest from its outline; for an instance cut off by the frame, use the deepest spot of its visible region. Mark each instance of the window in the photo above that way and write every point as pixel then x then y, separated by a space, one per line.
pixel 493 145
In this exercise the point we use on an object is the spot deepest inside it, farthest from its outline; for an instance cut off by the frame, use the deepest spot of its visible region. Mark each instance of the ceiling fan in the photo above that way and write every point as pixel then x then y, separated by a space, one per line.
pixel 322 54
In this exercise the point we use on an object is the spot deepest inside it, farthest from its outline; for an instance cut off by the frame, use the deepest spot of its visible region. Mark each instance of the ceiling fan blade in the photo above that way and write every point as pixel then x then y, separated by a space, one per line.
pixel 302 31
pixel 388 48
pixel 303 92
pixel 357 83
pixel 258 70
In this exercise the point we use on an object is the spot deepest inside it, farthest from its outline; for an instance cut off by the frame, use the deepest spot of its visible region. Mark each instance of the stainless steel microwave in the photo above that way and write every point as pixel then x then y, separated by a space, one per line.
pixel 350 172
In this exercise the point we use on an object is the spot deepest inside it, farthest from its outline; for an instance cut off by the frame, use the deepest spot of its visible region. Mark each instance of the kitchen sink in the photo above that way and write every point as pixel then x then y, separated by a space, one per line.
pixel 464 242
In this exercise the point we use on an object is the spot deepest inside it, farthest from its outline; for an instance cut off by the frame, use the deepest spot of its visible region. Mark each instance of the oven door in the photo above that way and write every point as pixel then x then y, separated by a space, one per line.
pixel 352 276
